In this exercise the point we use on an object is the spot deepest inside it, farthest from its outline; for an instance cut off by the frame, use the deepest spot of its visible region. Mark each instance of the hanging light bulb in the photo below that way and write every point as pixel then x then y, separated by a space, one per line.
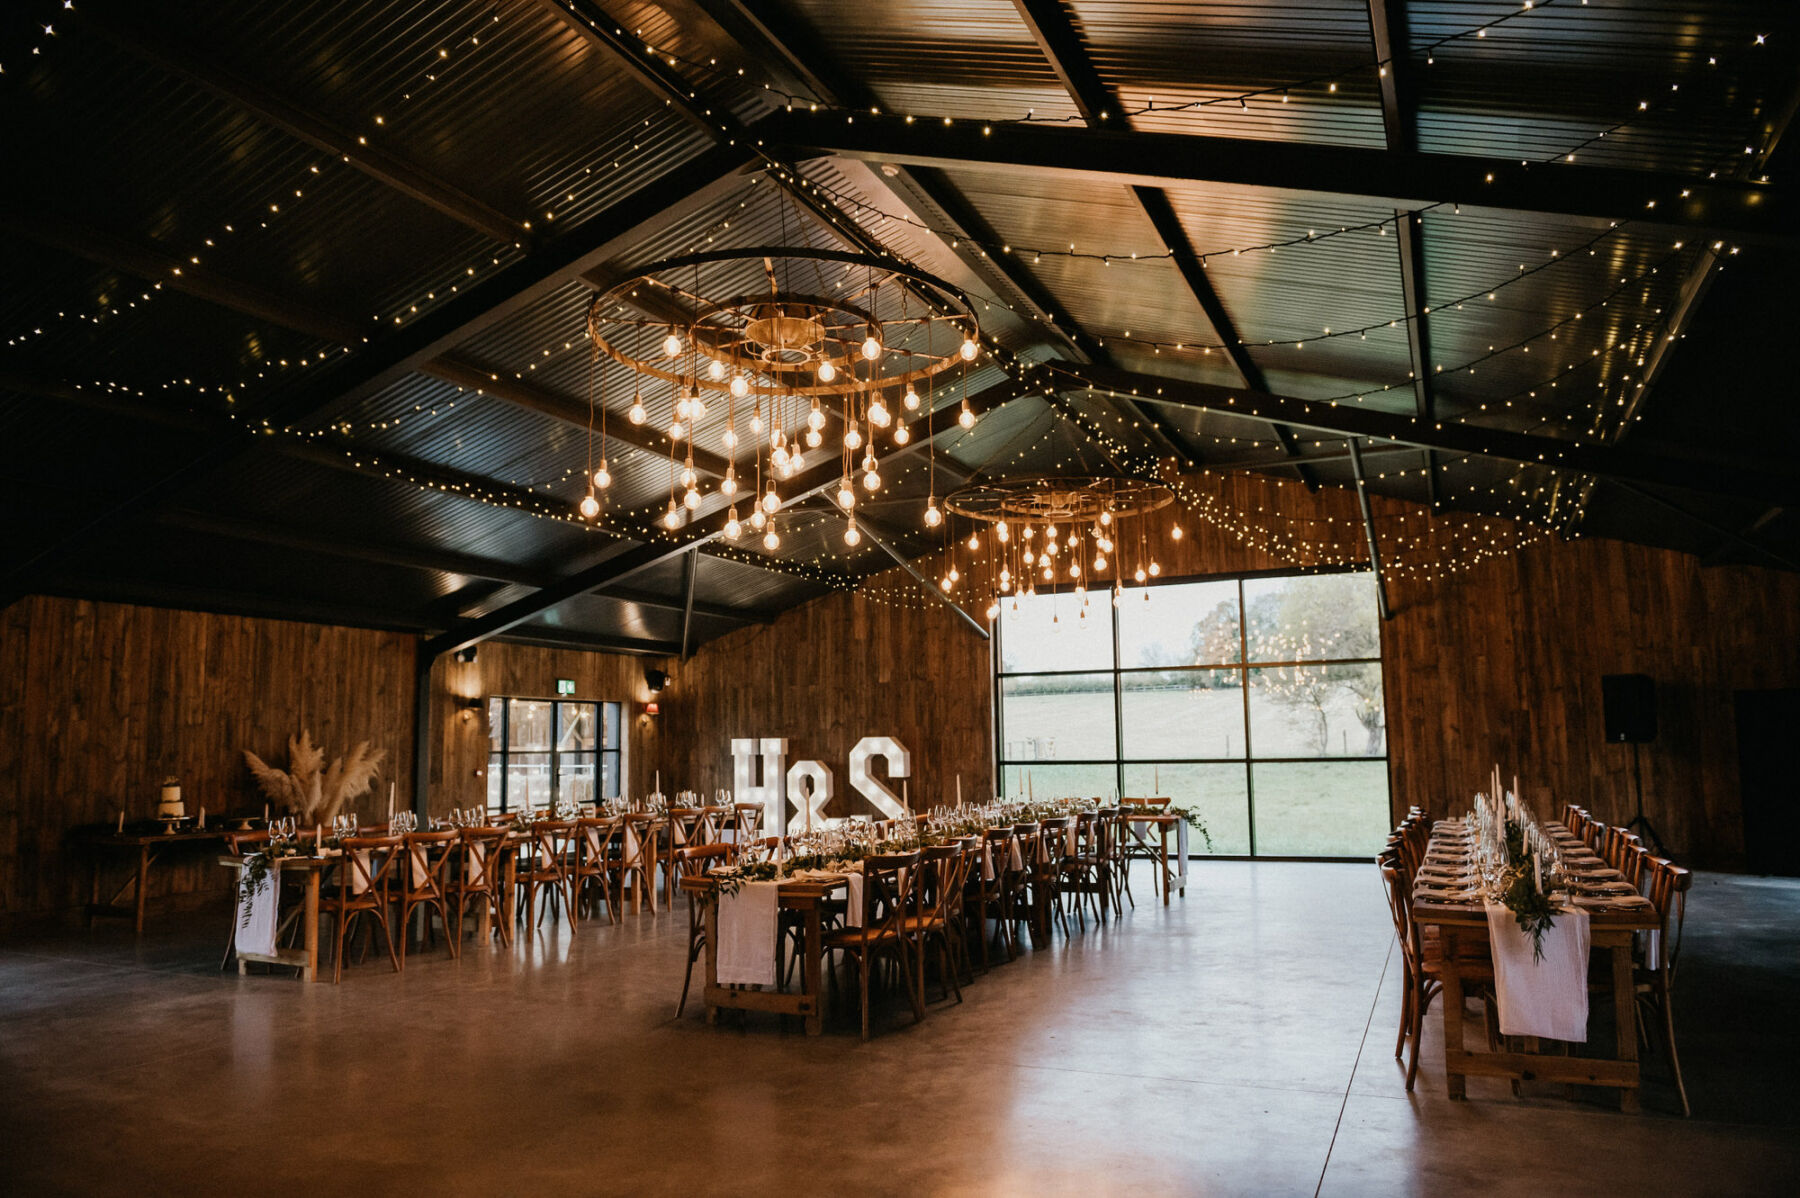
pixel 681 407
pixel 777 439
pixel 871 347
pixel 715 370
pixel 1140 575
pixel 730 438
pixel 969 349
pixel 771 542
pixel 637 414
pixel 974 542
pixel 1106 545
pixel 1049 574
pixel 740 386
pixel 696 408
pixel 1003 532
pixel 1099 561
pixel 1030 532
pixel 853 439
pixel 910 399
pixel 728 484
pixel 757 519
pixel 733 529
pixel 1155 569
pixel 1030 557
pixel 778 458
pixel 671 344
pixel 677 431
pixel 944 583
pixel 954 576
pixel 993 610
pixel 1005 580
pixel 688 477
pixel 871 480
pixel 1074 569
pixel 1175 532
pixel 672 517
pixel 1105 518
pixel 771 501
pixel 851 535
pixel 590 507
pixel 846 495
pixel 966 417
pixel 878 413
pixel 827 371
pixel 815 419
pixel 603 476
pixel 691 499
pixel 933 517
pixel 1118 595
pixel 813 438
pixel 756 424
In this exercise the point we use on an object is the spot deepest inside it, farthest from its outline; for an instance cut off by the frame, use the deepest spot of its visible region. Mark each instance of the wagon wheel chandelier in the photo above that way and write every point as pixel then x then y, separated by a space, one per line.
pixel 1041 526
pixel 800 338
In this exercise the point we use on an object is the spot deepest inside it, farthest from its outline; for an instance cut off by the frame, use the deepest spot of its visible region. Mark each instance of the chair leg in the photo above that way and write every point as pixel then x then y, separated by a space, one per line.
pixel 862 966
pixel 388 939
pixel 1668 1012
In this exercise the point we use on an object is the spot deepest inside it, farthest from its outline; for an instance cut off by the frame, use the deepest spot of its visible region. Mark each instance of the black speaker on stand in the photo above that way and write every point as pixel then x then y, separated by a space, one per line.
pixel 1630 705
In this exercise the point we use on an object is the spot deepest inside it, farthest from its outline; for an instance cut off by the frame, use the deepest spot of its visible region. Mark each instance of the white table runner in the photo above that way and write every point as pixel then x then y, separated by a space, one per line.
pixel 1547 997
pixel 256 930
pixel 747 923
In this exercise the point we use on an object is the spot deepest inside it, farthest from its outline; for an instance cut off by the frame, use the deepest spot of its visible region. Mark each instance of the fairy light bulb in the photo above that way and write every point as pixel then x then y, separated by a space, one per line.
pixel 1105 518
pixel 733 530
pixel 1074 569
pixel 1140 575
pixel 677 431
pixel 974 542
pixel 771 501
pixel 1099 561
pixel 757 519
pixel 933 517
pixel 851 535
pixel 853 438
pixel 815 419
pixel 671 345
pixel 944 583
pixel 728 485
pixel 637 414
pixel 1049 574
pixel 771 542
pixel 740 386
pixel 878 414
pixel 871 347
pixel 954 576
pixel 814 438
pixel 846 495
pixel 1175 532
pixel 715 370
pixel 902 434
pixel 590 507
pixel 911 399
pixel 603 476
pixel 1155 569
pixel 1030 558
pixel 827 371
pixel 1002 532
pixel 969 349
pixel 672 517
pixel 966 417
pixel 691 499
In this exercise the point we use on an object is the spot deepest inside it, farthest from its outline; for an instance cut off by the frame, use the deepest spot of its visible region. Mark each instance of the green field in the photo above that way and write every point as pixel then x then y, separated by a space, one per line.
pixel 1306 808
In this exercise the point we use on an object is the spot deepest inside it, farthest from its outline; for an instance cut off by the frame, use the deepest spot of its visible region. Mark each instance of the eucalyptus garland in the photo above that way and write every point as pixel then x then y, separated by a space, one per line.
pixel 1519 893
pixel 260 866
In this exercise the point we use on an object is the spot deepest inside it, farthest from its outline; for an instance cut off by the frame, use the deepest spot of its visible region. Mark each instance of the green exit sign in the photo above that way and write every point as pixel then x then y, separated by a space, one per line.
pixel 565 686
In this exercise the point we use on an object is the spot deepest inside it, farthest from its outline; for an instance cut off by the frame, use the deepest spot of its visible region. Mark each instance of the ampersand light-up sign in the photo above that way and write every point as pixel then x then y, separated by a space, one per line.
pixel 899 766
pixel 746 789
pixel 808 800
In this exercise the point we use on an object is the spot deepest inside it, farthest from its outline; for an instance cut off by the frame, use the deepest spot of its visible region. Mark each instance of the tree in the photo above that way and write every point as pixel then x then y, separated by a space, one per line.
pixel 1329 616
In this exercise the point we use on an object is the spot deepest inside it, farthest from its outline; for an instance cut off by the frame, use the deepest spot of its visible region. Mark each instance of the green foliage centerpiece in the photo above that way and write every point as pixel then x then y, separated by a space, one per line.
pixel 1520 894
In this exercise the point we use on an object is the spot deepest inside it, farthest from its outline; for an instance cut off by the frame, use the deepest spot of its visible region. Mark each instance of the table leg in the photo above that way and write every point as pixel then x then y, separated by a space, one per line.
pixel 1163 859
pixel 813 971
pixel 143 876
pixel 94 890
pixel 712 955
pixel 1625 1017
pixel 1452 1001
pixel 310 972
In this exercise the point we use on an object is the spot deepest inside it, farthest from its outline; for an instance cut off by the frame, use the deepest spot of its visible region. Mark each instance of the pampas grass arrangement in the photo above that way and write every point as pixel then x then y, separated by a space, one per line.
pixel 308 787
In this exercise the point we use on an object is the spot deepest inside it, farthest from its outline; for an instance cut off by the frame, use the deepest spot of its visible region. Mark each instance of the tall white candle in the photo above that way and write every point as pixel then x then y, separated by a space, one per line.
pixel 121 823
pixel 959 790
pixel 905 797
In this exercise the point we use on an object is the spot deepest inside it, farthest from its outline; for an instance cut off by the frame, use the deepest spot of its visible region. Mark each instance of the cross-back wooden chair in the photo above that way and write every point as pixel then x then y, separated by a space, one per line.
pixel 479 878
pixel 1085 871
pixel 746 821
pixel 363 877
pixel 684 826
pixel 991 896
pixel 943 872
pixel 1666 885
pixel 690 860
pixel 420 884
pixel 889 901
pixel 590 867
pixel 1422 958
pixel 636 862
pixel 544 869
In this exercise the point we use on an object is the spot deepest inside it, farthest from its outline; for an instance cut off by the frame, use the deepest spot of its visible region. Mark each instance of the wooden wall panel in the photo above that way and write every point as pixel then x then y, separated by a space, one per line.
pixel 827 674
pixel 98 701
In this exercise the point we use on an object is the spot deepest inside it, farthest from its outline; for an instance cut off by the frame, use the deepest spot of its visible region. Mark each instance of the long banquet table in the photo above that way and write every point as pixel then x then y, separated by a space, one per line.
pixel 1462 920
pixel 803 896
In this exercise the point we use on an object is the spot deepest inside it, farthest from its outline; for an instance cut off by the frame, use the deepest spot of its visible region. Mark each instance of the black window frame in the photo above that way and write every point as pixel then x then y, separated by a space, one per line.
pixel 499 759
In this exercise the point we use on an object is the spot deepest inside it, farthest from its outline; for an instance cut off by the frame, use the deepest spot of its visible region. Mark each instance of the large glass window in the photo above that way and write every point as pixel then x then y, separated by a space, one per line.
pixel 1257 701
pixel 546 750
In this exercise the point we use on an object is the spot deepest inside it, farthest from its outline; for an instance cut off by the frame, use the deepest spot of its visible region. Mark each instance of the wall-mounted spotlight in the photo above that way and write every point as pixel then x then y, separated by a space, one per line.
pixel 466 656
pixel 655 680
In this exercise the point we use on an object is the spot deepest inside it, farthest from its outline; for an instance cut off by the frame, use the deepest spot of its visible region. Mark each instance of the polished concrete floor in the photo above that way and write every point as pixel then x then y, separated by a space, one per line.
pixel 1239 1042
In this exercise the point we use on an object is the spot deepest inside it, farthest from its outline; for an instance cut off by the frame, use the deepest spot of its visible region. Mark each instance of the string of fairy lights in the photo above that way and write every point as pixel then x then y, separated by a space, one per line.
pixel 1289 546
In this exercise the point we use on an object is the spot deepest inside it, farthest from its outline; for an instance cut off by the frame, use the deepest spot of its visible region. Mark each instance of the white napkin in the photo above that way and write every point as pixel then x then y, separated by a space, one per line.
pixel 1181 851
pixel 987 863
pixel 419 872
pixel 359 877
pixel 1541 998
pixel 631 847
pixel 747 923
pixel 1069 840
pixel 1018 858
pixel 477 864
pixel 256 935
pixel 853 911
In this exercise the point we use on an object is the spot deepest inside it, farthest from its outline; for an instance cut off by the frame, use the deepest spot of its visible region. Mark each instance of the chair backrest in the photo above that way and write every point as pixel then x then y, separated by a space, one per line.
pixel 1666 885
pixel 747 820
pixel 247 841
pixel 550 841
pixel 1156 803
pixel 1399 899
pixel 367 864
pixel 714 823
pixel 941 879
pixel 593 843
pixel 890 890
pixel 428 857
pixel 481 848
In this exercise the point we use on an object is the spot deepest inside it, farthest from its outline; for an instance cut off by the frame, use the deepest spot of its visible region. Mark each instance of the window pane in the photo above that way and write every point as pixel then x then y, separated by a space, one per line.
pixel 496 781
pixel 1058 717
pixel 609 775
pixel 575 727
pixel 1060 781
pixel 527 780
pixel 496 721
pixel 1321 809
pixel 1219 793
pixel 1054 632
pixel 1183 713
pixel 1182 624
pixel 1312 616
pixel 575 778
pixel 610 713
pixel 1317 711
pixel 530 724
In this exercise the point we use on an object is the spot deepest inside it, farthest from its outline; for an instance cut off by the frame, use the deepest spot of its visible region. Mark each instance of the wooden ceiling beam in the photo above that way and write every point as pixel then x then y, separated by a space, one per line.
pixel 1730 208
pixel 109 19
